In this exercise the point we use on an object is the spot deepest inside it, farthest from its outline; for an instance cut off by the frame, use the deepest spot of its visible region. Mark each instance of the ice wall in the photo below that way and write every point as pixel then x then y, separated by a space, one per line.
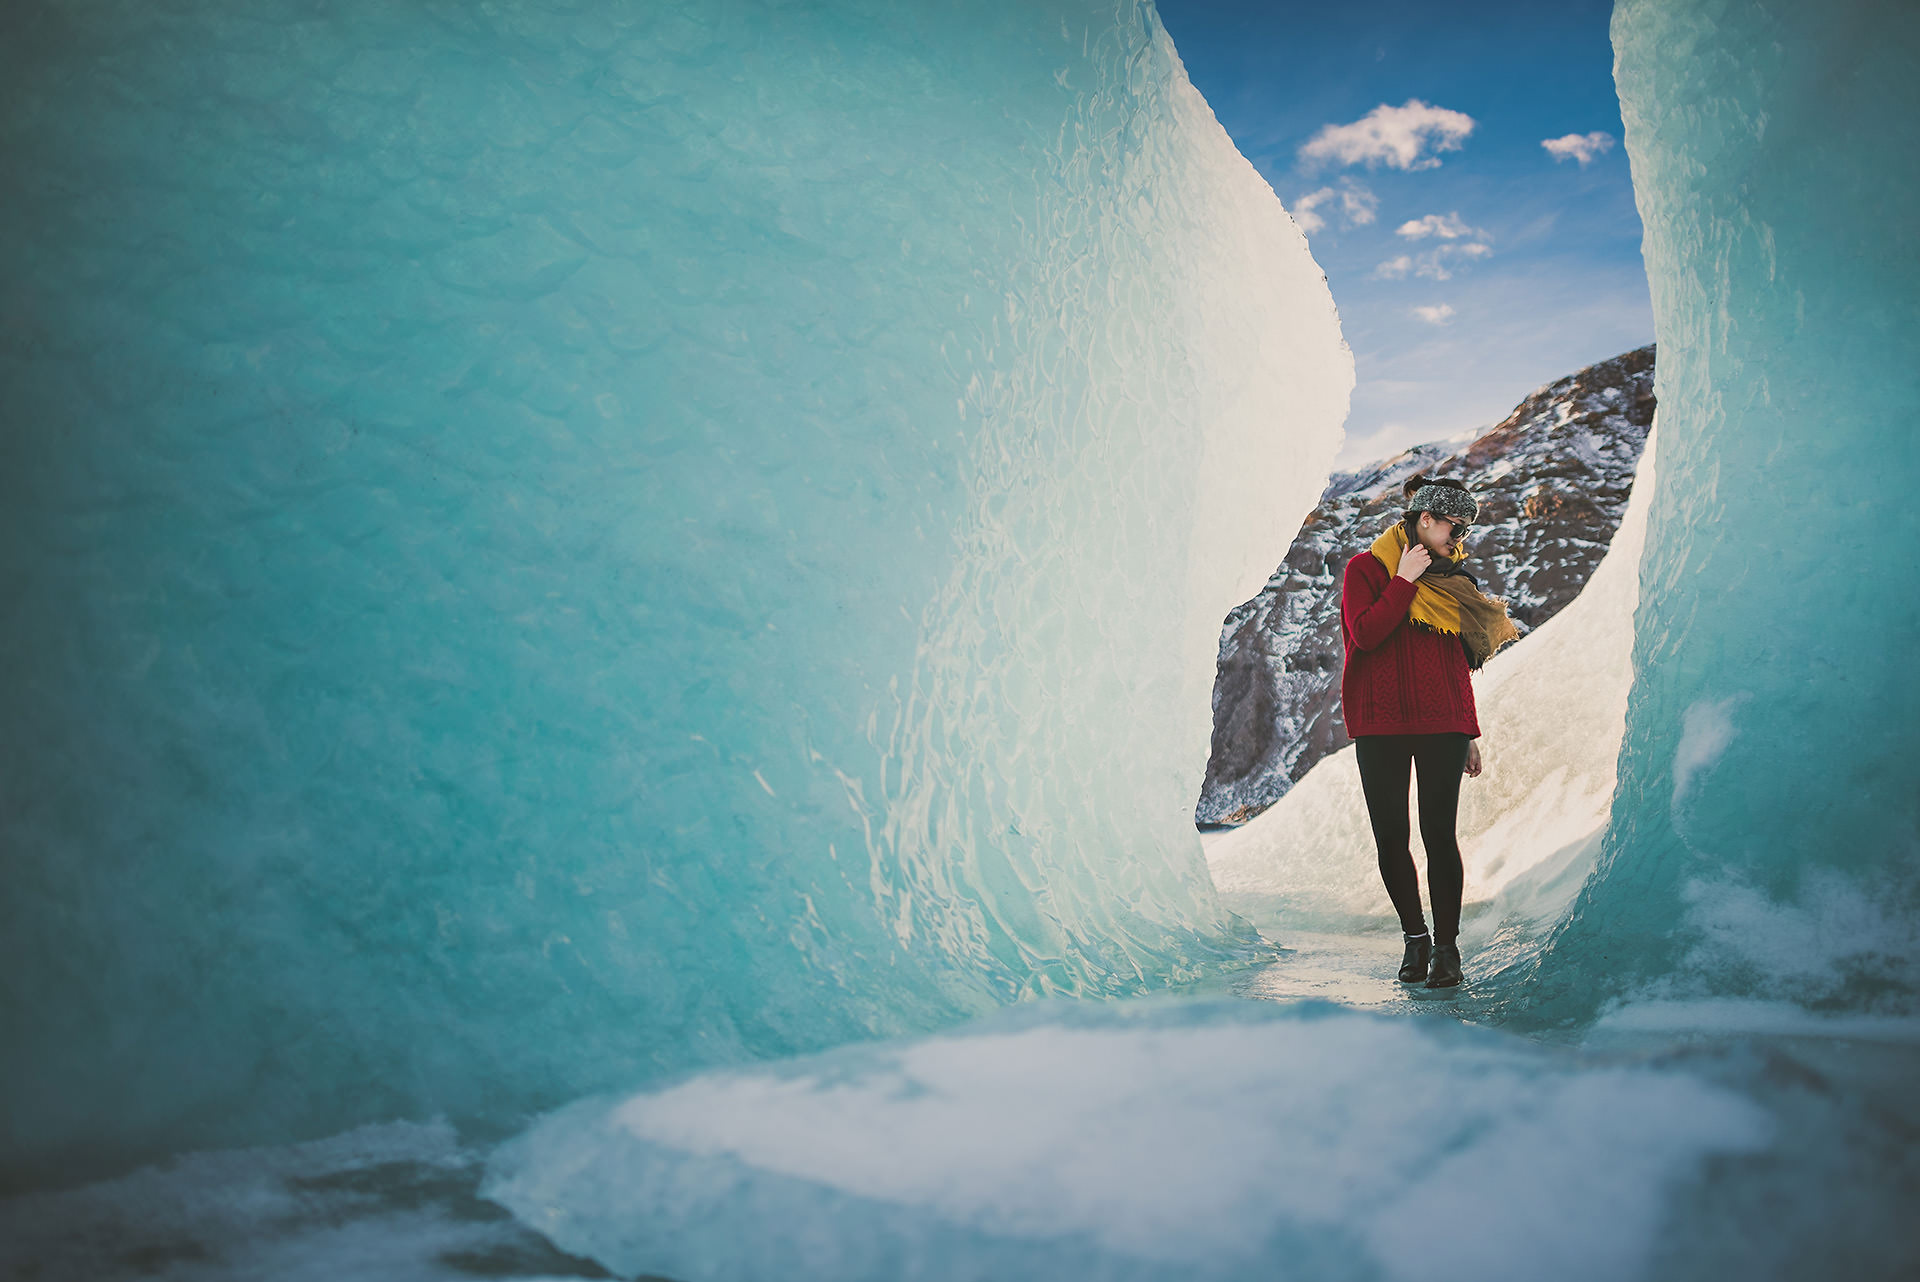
pixel 547 543
pixel 1763 840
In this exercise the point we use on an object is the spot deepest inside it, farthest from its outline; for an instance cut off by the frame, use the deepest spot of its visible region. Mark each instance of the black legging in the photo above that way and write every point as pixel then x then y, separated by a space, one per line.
pixel 1384 760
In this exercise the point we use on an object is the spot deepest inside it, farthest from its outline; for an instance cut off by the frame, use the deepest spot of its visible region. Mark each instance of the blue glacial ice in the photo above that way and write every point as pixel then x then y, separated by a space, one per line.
pixel 548 544
pixel 1764 842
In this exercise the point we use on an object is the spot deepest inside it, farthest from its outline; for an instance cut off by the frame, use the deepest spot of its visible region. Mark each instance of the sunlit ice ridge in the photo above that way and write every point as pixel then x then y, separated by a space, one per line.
pixel 584 552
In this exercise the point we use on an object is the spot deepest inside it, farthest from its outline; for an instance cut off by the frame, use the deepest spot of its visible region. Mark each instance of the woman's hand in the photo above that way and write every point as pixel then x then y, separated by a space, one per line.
pixel 1473 758
pixel 1413 562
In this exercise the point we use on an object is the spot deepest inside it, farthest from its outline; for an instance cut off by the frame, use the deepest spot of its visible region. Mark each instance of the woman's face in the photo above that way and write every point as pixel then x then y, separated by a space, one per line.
pixel 1441 536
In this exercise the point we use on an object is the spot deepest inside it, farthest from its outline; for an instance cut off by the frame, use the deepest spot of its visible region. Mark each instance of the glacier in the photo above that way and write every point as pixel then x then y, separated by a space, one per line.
pixel 553 544
pixel 612 608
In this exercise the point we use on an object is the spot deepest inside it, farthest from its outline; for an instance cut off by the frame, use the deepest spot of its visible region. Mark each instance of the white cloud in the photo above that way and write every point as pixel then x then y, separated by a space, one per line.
pixel 1580 147
pixel 1436 264
pixel 1357 205
pixel 1445 226
pixel 1399 137
pixel 1439 314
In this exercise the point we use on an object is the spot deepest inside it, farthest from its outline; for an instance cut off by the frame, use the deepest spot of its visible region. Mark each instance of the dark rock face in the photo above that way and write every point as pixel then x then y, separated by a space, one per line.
pixel 1552 481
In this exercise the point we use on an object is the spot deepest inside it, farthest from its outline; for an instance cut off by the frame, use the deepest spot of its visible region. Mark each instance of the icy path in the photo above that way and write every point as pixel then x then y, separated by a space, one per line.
pixel 1356 971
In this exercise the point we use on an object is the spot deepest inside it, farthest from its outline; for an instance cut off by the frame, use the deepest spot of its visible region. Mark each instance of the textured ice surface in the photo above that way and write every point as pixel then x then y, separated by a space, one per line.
pixel 1763 839
pixel 1210 1142
pixel 546 543
pixel 1552 713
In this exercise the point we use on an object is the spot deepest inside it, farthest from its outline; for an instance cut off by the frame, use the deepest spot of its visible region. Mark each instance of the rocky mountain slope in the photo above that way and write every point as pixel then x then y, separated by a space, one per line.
pixel 1552 480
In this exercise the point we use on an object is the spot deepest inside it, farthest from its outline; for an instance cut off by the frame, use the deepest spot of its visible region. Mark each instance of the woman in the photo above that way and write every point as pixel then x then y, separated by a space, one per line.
pixel 1415 625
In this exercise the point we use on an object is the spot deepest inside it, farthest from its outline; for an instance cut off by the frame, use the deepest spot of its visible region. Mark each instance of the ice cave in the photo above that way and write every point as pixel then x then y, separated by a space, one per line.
pixel 611 608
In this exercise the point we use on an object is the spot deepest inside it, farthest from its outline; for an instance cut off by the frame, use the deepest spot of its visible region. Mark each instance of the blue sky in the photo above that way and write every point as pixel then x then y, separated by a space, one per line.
pixel 1470 265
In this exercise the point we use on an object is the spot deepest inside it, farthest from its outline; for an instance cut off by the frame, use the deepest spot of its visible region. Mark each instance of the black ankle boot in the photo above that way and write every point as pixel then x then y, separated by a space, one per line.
pixel 1446 966
pixel 1413 968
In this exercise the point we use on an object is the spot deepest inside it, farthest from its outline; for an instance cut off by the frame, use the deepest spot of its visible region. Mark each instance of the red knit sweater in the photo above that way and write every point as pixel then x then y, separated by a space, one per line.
pixel 1399 679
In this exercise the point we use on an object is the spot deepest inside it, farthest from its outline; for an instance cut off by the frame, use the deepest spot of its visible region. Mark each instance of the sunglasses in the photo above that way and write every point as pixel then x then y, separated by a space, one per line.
pixel 1455 529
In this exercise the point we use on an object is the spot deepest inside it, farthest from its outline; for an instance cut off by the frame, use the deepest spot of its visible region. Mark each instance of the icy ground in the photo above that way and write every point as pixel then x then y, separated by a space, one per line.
pixel 1311 1111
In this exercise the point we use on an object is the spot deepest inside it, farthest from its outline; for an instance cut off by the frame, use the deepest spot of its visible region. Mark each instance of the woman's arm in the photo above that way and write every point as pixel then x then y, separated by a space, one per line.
pixel 1373 609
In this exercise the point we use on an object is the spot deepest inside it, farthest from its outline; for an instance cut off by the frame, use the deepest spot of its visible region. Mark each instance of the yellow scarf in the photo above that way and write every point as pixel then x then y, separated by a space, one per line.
pixel 1450 603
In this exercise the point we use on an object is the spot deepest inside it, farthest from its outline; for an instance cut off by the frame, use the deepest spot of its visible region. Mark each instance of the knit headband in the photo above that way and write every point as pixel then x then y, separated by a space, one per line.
pixel 1444 500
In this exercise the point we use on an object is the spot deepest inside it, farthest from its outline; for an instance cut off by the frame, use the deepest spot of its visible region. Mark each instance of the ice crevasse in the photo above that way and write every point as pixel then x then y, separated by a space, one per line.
pixel 1720 742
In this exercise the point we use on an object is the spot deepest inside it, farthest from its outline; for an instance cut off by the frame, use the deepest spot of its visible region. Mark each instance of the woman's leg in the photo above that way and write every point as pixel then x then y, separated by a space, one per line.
pixel 1440 760
pixel 1385 761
